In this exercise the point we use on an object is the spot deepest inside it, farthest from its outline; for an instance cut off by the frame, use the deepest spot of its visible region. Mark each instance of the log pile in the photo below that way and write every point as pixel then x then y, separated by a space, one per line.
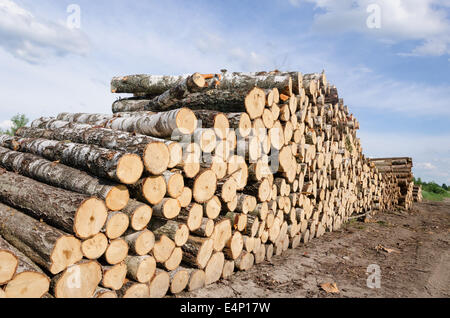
pixel 417 193
pixel 398 177
pixel 194 178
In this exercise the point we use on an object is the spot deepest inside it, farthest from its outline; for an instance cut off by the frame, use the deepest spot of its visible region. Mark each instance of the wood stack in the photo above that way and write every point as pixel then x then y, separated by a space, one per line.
pixel 398 176
pixel 193 178
pixel 417 193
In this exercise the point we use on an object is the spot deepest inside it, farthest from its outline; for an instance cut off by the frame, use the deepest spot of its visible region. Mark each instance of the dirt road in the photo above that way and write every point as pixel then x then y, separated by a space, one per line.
pixel 414 263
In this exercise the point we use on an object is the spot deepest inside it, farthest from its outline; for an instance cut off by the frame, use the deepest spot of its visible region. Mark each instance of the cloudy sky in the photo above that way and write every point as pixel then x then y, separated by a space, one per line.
pixel 392 72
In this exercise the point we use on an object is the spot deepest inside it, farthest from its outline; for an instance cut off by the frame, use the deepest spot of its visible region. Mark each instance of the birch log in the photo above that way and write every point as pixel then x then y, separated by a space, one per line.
pixel 71 212
pixel 44 245
pixel 114 165
pixel 58 175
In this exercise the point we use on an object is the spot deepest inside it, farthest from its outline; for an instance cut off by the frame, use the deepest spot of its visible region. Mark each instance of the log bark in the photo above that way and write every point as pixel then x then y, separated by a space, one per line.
pixel 58 175
pixel 72 212
pixel 129 105
pixel 160 125
pixel 154 152
pixel 27 280
pixel 192 84
pixel 250 101
pixel 117 166
pixel 146 84
pixel 232 81
pixel 110 139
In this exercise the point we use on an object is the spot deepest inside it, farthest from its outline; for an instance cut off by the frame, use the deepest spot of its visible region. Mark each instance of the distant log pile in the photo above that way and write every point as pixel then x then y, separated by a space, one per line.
pixel 194 178
pixel 417 193
pixel 398 177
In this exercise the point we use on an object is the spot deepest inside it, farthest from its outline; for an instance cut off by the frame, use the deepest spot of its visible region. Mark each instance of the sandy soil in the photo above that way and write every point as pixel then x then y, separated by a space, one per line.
pixel 415 264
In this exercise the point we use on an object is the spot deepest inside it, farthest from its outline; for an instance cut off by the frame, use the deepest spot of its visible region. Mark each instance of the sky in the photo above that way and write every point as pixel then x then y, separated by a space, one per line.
pixel 390 59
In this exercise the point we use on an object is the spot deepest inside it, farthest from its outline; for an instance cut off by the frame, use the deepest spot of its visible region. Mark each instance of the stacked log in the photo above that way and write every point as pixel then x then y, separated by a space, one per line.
pixel 417 193
pixel 399 173
pixel 194 178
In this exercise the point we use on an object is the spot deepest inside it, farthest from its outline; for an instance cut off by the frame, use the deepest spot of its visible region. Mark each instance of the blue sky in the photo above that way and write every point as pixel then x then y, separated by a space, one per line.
pixel 395 78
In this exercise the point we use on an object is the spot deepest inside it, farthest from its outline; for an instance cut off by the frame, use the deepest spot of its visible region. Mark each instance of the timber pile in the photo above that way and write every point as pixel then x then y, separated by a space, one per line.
pixel 398 175
pixel 417 193
pixel 192 179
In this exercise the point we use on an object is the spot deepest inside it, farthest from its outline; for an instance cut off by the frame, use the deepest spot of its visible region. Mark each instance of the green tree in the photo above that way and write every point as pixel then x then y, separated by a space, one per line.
pixel 445 187
pixel 19 120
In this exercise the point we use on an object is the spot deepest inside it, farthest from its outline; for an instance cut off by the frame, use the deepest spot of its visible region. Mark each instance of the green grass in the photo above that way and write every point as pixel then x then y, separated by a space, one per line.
pixel 431 196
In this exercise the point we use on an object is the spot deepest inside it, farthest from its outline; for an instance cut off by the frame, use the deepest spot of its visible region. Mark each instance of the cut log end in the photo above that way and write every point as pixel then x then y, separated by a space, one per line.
pixel 179 281
pixel 134 290
pixel 114 276
pixel 129 169
pixel 66 252
pixel 141 217
pixel 186 121
pixel 205 186
pixel 213 270
pixel 90 218
pixel 174 260
pixel 160 284
pixel 117 198
pixel 78 281
pixel 116 225
pixel 116 252
pixel 154 189
pixel 157 158
pixel 141 268
pixel 255 102
pixel 8 266
pixel 28 285
pixel 94 247
pixel 176 154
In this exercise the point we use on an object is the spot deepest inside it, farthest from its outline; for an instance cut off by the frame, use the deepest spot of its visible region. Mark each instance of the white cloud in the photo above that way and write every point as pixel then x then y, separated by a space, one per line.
pixel 32 39
pixel 426 165
pixel 401 20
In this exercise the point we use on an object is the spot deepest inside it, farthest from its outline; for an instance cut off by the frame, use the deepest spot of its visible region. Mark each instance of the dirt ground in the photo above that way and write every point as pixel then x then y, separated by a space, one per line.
pixel 415 263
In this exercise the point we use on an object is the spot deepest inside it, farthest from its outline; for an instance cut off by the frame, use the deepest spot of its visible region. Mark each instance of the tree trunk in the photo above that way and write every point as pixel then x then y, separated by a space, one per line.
pixel 129 105
pixel 61 176
pixel 232 81
pixel 159 125
pixel 191 84
pixel 117 166
pixel 149 148
pixel 145 84
pixel 250 101
pixel 43 244
pixel 72 212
